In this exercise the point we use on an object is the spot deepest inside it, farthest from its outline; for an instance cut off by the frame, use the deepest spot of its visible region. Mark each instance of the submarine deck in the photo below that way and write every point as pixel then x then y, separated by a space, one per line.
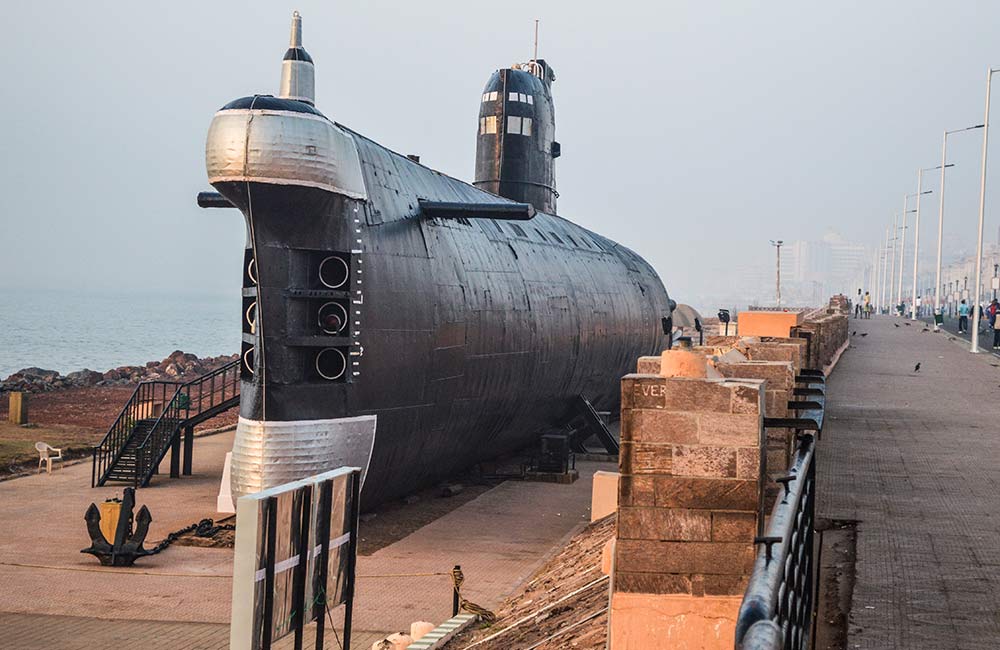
pixel 56 597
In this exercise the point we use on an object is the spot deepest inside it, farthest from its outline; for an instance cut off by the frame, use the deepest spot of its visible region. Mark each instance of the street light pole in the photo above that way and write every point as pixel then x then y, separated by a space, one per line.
pixel 916 239
pixel 892 264
pixel 902 255
pixel 944 165
pixel 916 246
pixel 885 267
pixel 974 348
pixel 777 276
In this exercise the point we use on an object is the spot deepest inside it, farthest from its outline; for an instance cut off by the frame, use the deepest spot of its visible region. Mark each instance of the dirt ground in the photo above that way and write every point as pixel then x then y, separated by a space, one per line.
pixel 837 557
pixel 74 419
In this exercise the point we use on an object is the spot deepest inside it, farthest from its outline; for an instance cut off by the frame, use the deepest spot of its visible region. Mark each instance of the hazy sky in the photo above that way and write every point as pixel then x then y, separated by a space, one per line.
pixel 692 132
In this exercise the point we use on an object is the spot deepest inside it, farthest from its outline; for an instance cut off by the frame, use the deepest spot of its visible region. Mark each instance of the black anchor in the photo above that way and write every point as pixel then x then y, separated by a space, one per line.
pixel 127 546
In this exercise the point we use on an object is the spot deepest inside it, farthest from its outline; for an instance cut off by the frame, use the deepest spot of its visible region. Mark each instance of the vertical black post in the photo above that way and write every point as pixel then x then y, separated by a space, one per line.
pixel 271 517
pixel 322 560
pixel 300 521
pixel 352 554
pixel 455 596
pixel 175 456
pixel 188 449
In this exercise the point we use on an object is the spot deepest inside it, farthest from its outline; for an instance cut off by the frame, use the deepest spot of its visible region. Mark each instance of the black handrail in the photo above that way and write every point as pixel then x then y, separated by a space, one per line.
pixel 777 609
pixel 154 446
pixel 179 406
pixel 110 449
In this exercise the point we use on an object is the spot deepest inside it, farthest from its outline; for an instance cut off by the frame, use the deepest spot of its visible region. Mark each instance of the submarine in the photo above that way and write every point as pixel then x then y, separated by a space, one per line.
pixel 407 322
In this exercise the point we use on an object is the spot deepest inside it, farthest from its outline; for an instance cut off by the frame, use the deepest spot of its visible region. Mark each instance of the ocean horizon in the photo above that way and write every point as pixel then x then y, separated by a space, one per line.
pixel 68 330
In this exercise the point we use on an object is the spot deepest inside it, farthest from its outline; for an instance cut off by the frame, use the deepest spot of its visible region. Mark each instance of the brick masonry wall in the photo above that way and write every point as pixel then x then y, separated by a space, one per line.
pixel 780 378
pixel 689 486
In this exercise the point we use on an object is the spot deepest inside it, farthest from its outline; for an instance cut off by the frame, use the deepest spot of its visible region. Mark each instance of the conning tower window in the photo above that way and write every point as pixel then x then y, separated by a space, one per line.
pixel 518 125
pixel 521 97
pixel 487 124
pixel 490 96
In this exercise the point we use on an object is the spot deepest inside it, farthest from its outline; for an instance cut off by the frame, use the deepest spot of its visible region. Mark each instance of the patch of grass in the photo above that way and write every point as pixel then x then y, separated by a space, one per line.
pixel 17 443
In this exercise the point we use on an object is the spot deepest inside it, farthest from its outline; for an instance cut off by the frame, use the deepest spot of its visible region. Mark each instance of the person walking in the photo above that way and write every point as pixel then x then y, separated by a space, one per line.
pixel 866 309
pixel 858 306
pixel 996 332
pixel 963 317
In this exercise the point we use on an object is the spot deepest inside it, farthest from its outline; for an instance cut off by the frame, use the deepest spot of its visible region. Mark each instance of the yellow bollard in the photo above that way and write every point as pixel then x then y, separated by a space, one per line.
pixel 110 511
pixel 18 413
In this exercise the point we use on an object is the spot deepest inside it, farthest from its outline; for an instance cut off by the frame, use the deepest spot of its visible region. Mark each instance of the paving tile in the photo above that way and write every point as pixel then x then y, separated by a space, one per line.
pixel 912 457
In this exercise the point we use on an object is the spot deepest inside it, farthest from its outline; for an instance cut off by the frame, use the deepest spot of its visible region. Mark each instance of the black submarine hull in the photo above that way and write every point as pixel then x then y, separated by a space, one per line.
pixel 467 338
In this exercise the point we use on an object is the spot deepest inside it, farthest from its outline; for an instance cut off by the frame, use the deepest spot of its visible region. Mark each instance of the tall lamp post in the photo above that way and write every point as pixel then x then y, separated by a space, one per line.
pixel 943 166
pixel 974 348
pixel 777 275
pixel 916 237
pixel 885 267
pixel 892 261
pixel 902 248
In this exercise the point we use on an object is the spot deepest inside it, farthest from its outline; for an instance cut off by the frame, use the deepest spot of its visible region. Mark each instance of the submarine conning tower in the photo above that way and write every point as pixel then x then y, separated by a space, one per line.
pixel 515 146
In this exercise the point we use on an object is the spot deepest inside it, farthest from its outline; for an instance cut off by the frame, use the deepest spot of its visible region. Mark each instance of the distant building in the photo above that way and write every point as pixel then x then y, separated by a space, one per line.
pixel 811 271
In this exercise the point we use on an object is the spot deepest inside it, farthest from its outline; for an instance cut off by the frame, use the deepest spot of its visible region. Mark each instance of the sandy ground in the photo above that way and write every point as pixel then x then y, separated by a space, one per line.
pixel 74 419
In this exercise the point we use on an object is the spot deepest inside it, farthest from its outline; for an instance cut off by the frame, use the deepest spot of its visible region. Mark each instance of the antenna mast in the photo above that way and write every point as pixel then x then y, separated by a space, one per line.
pixel 536 40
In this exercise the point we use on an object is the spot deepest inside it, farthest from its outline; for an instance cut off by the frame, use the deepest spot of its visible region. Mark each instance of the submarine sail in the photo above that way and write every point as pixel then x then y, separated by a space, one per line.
pixel 452 321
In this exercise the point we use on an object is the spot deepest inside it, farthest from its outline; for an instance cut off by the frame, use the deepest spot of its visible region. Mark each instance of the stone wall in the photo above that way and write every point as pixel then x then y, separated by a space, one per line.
pixel 688 499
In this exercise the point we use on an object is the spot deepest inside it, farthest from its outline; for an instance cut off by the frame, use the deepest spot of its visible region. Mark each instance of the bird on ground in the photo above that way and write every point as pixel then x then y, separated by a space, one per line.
pixel 864 334
pixel 916 368
pixel 907 324
pixel 951 338
pixel 895 324
pixel 854 332
pixel 924 330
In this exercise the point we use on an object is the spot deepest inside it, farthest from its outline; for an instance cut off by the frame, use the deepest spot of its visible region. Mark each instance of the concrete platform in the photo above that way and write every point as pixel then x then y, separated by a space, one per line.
pixel 56 597
pixel 913 457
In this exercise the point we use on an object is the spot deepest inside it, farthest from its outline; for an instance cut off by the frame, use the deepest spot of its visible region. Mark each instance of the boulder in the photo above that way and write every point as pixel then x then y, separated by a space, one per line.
pixel 171 370
pixel 85 377
pixel 112 375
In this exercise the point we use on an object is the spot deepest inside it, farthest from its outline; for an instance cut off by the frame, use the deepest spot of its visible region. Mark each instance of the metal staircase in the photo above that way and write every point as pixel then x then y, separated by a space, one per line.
pixel 160 416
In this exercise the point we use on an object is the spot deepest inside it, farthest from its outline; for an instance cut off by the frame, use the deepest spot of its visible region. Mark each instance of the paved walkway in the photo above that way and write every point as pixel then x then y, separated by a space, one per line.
pixel 914 458
pixel 56 597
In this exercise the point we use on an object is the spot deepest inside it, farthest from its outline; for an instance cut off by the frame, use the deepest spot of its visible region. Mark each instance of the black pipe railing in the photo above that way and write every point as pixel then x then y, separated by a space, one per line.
pixel 147 432
pixel 777 609
pixel 190 400
pixel 141 406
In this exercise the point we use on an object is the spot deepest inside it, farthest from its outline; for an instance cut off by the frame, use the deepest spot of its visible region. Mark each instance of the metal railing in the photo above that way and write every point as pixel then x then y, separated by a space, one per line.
pixel 166 406
pixel 777 609
pixel 142 405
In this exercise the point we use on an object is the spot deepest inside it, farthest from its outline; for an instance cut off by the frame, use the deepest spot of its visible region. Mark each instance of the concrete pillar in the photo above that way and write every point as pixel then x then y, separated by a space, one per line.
pixel 688 501
pixel 604 495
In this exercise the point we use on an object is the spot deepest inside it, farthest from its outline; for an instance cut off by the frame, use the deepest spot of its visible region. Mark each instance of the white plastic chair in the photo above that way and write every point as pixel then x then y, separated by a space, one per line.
pixel 45 455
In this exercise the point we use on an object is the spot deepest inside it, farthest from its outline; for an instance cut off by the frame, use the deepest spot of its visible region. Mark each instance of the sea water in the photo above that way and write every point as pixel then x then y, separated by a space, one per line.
pixel 71 330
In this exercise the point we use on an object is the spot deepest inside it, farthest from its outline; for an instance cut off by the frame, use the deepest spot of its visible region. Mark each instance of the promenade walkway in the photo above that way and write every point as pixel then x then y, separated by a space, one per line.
pixel 913 457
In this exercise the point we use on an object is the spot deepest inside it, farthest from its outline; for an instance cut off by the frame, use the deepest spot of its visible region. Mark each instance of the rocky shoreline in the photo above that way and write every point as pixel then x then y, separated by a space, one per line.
pixel 178 365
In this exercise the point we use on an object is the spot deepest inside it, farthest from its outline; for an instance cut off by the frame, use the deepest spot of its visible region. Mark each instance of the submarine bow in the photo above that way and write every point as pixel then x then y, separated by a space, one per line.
pixel 401 320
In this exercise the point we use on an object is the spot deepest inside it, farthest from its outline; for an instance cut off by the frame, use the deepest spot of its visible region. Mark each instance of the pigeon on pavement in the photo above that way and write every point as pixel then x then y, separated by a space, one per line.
pixel 916 368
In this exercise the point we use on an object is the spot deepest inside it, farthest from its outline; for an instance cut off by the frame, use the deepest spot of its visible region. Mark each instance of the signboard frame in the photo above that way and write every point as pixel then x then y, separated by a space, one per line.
pixel 286 537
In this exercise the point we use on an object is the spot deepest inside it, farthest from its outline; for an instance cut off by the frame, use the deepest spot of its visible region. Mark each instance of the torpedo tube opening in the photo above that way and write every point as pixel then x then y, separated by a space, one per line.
pixel 252 272
pixel 248 360
pixel 250 314
pixel 334 272
pixel 331 364
pixel 332 317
